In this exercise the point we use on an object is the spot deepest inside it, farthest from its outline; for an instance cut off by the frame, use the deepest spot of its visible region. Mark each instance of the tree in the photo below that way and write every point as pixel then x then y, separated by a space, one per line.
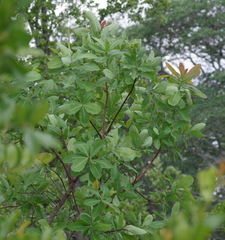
pixel 193 31
pixel 71 146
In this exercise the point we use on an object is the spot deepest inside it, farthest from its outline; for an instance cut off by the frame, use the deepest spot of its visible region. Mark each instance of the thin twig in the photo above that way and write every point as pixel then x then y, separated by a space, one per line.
pixel 106 107
pixel 114 119
pixel 99 134
pixel 146 169
pixel 64 166
pixel 9 207
pixel 146 198
pixel 63 200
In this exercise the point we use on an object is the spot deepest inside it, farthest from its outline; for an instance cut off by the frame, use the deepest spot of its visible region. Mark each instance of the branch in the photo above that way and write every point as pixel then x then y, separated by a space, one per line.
pixel 9 207
pixel 64 166
pixel 114 119
pixel 105 109
pixel 99 134
pixel 146 198
pixel 146 169
pixel 63 200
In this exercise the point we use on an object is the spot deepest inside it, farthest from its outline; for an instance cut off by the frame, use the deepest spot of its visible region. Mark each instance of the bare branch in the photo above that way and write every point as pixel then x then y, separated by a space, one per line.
pixel 146 169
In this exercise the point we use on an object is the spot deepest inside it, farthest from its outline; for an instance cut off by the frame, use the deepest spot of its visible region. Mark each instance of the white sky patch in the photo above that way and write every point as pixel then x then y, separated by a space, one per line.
pixel 102 3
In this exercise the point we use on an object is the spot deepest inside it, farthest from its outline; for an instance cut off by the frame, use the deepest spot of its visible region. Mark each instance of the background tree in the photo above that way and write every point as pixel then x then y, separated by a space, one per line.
pixel 194 30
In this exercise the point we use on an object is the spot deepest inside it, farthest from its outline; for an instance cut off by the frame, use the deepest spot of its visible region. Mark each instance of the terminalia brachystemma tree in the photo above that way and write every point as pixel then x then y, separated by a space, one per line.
pixel 106 108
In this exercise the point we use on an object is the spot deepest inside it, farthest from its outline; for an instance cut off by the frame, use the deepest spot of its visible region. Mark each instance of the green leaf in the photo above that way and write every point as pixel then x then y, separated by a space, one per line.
pixel 197 133
pixel 88 86
pixel 81 31
pixel 128 195
pixel 32 76
pixel 175 209
pixel 94 235
pixel 48 86
pixel 96 170
pixel 36 139
pixel 155 62
pixel 188 97
pixel 89 67
pixel 92 108
pixel 55 62
pixel 142 137
pixel 79 162
pixel 198 126
pixel 84 117
pixel 62 109
pixel 78 56
pixel 74 107
pixel 157 143
pixel 64 50
pixel 79 225
pixel 94 22
pixel 102 226
pixel 184 113
pixel 185 182
pixel 91 202
pixel 147 221
pixel 86 218
pixel 66 60
pixel 196 91
pixel 134 230
pixel 108 73
pixel 207 180
pixel 96 146
pixel 157 224
pixel 133 132
pixel 126 153
pixel 104 163
pixel 161 87
pixel 147 142
pixel 83 147
pixel 98 209
pixel 174 100
pixel 171 90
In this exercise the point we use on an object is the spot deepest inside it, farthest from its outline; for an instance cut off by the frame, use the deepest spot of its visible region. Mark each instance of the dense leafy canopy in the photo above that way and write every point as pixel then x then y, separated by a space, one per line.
pixel 75 136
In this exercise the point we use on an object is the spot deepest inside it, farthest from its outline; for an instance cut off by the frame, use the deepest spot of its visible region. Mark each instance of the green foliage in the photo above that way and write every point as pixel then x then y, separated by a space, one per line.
pixel 82 136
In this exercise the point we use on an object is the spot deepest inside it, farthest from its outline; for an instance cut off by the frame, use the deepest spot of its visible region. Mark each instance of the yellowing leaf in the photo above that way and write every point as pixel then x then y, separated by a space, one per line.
pixel 172 70
pixel 45 157
pixel 192 73
pixel 96 184
pixel 163 76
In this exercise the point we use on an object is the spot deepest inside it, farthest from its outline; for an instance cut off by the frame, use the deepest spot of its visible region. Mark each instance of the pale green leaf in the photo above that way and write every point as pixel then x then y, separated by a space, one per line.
pixel 55 62
pixel 198 126
pixel 92 108
pixel 175 209
pixel 79 225
pixel 64 50
pixel 96 169
pixel 126 153
pixel 102 226
pixel 79 162
pixel 132 230
pixel 94 22
pixel 32 76
pixel 148 220
pixel 185 182
pixel 74 107
pixel 161 87
pixel 91 202
pixel 109 74
pixel 174 100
